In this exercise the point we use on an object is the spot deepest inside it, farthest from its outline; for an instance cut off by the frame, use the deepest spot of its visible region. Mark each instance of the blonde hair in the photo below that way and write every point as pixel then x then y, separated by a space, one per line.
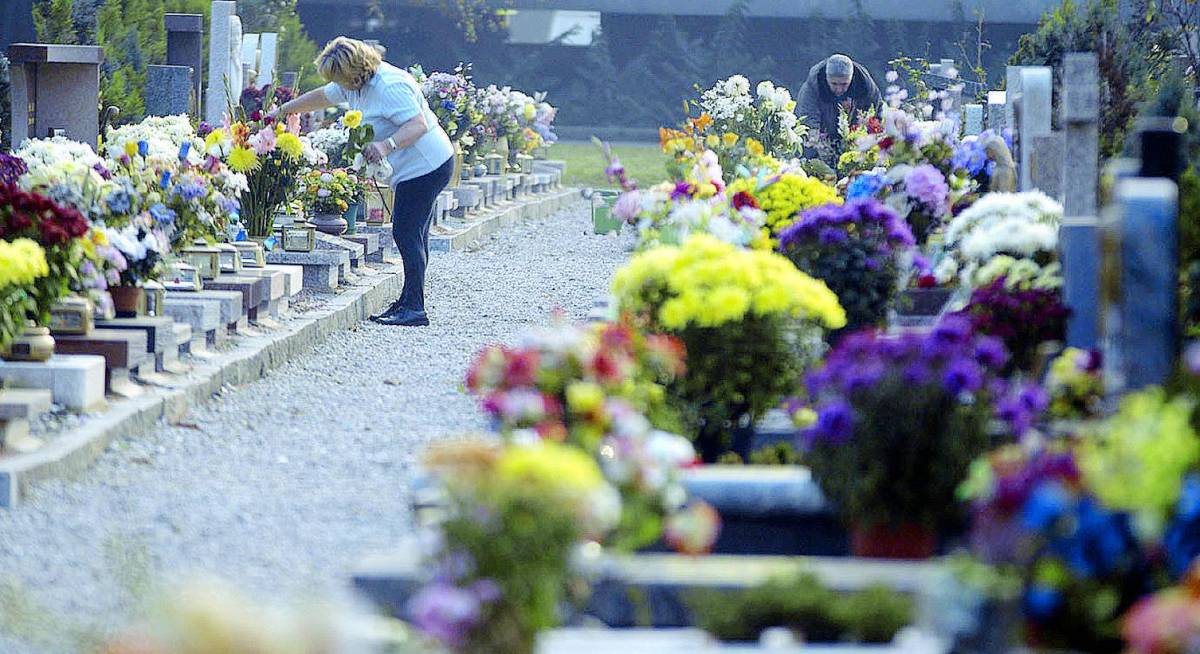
pixel 349 63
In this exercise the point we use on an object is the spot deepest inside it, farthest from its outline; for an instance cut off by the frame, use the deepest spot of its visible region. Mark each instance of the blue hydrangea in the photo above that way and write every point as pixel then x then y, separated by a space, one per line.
pixel 865 186
pixel 970 156
pixel 162 214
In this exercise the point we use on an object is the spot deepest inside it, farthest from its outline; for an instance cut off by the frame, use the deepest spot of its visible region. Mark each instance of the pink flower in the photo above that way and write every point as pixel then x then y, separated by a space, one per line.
pixel 264 141
pixel 628 206
pixel 293 124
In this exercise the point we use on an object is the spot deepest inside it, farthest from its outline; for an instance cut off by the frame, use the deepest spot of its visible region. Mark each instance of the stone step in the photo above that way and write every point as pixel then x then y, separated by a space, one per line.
pixel 384 230
pixel 183 336
pixel 23 403
pixel 255 291
pixel 323 269
pixel 293 278
pixel 229 307
pixel 75 381
pixel 160 331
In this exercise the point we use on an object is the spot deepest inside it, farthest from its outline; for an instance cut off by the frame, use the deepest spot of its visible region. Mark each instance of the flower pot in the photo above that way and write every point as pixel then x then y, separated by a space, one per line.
pixel 603 221
pixel 906 541
pixel 129 301
pixel 329 223
pixel 34 344
pixel 351 217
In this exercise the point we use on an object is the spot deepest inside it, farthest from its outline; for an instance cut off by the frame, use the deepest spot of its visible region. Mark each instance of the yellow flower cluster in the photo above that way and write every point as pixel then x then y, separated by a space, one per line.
pixel 708 283
pixel 290 145
pixel 551 468
pixel 21 262
pixel 786 197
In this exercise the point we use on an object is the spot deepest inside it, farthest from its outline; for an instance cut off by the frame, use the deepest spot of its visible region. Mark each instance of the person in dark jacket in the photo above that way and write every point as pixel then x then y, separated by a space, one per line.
pixel 833 84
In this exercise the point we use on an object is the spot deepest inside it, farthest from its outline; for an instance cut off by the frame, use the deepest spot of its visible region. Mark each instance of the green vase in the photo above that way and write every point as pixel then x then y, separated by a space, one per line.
pixel 351 217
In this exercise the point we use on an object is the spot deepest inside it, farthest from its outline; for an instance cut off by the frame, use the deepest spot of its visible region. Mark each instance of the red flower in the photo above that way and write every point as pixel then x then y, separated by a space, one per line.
pixel 926 281
pixel 743 199
pixel 874 125
pixel 522 369
pixel 886 142
pixel 606 368
pixel 256 115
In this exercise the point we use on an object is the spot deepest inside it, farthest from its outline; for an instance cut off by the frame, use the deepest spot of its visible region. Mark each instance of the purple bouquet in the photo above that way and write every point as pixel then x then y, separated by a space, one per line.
pixel 900 419
pixel 1023 317
pixel 11 168
pixel 852 248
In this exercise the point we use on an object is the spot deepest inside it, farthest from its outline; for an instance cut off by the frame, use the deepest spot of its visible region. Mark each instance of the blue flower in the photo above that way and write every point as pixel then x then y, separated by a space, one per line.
pixel 183 149
pixel 835 422
pixel 447 105
pixel 864 186
pixel 1042 601
pixel 962 375
pixel 119 201
pixel 970 156
pixel 162 214
pixel 143 148
pixel 1046 504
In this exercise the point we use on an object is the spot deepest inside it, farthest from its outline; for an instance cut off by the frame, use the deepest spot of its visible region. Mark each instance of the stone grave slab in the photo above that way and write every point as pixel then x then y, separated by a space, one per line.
pixel 293 278
pixel 327 242
pixel 17 407
pixel 323 269
pixel 256 291
pixel 124 351
pixel 384 231
pixel 160 332
pixel 185 47
pixel 277 301
pixel 626 587
pixel 551 164
pixel 369 241
pixel 49 83
pixel 168 90
pixel 469 198
pixel 229 303
pixel 183 338
pixel 203 316
pixel 75 381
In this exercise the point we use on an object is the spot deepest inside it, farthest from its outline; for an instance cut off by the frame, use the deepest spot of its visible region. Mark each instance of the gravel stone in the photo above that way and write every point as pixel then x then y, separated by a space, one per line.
pixel 284 484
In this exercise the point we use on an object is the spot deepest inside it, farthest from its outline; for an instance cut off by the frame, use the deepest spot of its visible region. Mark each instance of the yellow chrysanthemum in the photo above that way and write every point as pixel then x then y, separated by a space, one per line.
pixel 711 141
pixel 550 467
pixel 730 139
pixel 21 262
pixel 290 145
pixel 352 119
pixel 754 147
pixel 707 282
pixel 215 140
pixel 787 197
pixel 243 160
pixel 131 148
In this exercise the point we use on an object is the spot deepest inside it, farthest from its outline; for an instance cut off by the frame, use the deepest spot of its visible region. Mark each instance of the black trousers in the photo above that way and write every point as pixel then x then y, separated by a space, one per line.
pixel 411 219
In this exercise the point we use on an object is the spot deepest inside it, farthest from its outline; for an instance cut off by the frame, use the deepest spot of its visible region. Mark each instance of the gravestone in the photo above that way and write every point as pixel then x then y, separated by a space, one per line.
pixel 185 47
pixel 267 53
pixel 249 55
pixel 1012 89
pixel 1034 118
pixel 224 59
pixel 1047 164
pixel 1146 338
pixel 168 90
pixel 972 119
pixel 997 104
pixel 55 89
pixel 1079 237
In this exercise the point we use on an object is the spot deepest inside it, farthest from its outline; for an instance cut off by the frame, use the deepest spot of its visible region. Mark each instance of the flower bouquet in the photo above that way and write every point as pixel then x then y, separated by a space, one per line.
pixel 899 421
pixel 22 264
pixel 499 114
pixel 329 191
pixel 499 567
pixel 1022 226
pixel 270 154
pixel 854 249
pixel 1091 525
pixel 768 116
pixel 1024 317
pixel 59 231
pixel 784 197
pixel 453 98
pixel 749 322
pixel 143 247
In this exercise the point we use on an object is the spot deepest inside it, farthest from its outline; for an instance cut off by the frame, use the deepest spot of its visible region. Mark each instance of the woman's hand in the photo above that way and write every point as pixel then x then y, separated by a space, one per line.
pixel 376 151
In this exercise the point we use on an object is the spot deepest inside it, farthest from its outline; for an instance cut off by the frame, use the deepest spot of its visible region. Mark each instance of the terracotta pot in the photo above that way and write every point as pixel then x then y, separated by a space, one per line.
pixel 34 344
pixel 129 301
pixel 329 223
pixel 906 541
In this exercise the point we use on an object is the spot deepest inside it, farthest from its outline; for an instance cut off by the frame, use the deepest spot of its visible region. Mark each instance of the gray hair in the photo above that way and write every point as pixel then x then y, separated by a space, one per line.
pixel 839 66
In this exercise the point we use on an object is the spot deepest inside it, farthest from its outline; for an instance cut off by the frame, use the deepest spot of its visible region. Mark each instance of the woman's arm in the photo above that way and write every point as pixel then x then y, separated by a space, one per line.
pixel 314 100
pixel 409 133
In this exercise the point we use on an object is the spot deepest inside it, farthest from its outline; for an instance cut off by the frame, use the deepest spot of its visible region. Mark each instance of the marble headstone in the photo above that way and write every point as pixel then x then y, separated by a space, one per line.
pixel 997 104
pixel 168 90
pixel 250 55
pixel 1079 234
pixel 225 37
pixel 972 119
pixel 267 52
pixel 1035 118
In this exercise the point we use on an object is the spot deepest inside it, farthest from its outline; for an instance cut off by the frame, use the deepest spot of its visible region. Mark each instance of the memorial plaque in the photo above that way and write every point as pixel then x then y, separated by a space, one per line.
pixel 299 239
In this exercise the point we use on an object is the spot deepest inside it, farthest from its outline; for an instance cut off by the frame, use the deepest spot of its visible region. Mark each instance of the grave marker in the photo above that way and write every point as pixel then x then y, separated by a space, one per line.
pixel 997 105
pixel 972 119
pixel 185 47
pixel 268 45
pixel 1034 119
pixel 55 90
pixel 168 90
pixel 224 59
pixel 1079 237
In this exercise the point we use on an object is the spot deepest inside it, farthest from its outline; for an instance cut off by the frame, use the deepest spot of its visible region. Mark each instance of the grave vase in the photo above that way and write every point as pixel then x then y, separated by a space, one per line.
pixel 905 541
pixel 351 215
pixel 34 344
pixel 329 223
pixel 128 301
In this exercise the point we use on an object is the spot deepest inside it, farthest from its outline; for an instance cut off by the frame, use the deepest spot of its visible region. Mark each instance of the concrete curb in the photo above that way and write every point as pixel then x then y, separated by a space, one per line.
pixel 504 215
pixel 254 356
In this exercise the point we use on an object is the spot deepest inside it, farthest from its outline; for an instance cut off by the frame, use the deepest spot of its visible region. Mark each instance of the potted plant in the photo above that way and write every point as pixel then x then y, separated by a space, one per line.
pixel 499 572
pixel 22 263
pixel 328 195
pixel 898 421
pixel 749 322
pixel 854 248
pixel 143 248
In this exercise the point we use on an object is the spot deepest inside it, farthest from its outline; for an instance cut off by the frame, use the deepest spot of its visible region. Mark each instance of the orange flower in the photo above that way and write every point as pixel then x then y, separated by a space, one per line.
pixel 241 133
pixel 702 123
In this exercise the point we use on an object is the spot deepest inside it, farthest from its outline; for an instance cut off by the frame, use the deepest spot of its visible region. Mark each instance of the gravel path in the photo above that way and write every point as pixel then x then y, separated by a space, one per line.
pixel 284 484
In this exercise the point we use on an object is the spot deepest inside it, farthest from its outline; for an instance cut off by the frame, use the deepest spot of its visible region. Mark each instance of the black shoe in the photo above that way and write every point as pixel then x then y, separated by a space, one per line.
pixel 404 318
pixel 392 308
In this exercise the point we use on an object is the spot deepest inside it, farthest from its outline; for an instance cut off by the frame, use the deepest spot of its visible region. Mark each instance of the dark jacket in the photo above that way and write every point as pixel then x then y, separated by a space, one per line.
pixel 816 103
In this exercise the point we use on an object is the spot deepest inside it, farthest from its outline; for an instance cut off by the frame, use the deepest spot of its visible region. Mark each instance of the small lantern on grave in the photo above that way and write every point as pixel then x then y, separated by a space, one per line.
pixel 251 254
pixel 205 258
pixel 182 277
pixel 494 164
pixel 72 315
pixel 229 258
pixel 525 163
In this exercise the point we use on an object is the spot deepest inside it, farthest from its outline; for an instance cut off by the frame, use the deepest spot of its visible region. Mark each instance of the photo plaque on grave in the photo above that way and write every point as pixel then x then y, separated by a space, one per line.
pixel 298 238
pixel 183 277
pixel 72 315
